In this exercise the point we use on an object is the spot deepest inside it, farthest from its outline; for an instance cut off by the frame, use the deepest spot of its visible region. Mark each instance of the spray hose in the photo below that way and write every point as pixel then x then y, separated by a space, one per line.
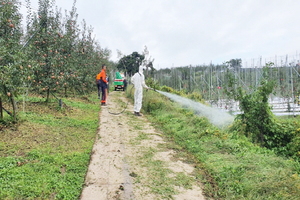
pixel 123 109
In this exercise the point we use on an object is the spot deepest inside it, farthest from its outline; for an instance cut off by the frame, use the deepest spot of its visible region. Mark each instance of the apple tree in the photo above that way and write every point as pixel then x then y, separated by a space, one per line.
pixel 12 73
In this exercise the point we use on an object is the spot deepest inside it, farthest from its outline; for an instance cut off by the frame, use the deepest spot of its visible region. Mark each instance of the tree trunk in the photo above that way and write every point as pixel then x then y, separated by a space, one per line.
pixel 14 105
pixel 48 95
pixel 1 110
pixel 66 95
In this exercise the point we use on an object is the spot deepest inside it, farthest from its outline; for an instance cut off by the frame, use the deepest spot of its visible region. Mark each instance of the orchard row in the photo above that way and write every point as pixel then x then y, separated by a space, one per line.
pixel 52 54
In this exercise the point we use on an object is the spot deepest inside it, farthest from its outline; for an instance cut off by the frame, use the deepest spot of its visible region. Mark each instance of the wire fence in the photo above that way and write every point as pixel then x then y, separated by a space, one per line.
pixel 210 81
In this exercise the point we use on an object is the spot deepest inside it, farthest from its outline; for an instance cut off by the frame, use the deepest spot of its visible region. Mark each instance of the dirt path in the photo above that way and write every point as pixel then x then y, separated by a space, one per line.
pixel 131 161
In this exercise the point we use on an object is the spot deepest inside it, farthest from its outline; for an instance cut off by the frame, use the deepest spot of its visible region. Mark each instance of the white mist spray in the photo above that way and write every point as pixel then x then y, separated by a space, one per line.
pixel 217 117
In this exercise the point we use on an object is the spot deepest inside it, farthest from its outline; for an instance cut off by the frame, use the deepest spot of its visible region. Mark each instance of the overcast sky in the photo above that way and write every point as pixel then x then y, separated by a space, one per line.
pixel 192 32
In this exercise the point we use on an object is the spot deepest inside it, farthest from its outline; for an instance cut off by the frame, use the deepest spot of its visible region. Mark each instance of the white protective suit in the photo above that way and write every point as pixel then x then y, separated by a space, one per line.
pixel 138 80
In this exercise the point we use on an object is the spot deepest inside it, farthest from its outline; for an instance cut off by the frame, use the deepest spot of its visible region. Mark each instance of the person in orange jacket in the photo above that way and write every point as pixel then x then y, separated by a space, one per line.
pixel 102 85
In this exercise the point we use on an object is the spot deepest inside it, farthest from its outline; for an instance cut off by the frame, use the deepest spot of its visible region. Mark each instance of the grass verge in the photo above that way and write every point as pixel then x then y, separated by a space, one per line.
pixel 233 167
pixel 46 156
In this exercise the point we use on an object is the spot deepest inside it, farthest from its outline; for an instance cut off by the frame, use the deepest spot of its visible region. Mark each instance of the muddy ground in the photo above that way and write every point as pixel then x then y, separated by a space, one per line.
pixel 119 168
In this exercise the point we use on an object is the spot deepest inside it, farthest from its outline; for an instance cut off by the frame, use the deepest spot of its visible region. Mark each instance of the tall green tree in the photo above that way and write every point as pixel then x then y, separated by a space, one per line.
pixel 67 56
pixel 10 57
pixel 234 63
pixel 45 34
pixel 130 63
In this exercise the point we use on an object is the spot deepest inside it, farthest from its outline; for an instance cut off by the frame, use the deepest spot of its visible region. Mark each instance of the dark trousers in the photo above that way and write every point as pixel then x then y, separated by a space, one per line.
pixel 103 87
pixel 103 91
pixel 99 89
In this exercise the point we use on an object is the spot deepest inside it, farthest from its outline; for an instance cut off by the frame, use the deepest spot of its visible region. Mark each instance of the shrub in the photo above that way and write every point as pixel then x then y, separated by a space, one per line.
pixel 167 89
pixel 256 112
pixel 196 96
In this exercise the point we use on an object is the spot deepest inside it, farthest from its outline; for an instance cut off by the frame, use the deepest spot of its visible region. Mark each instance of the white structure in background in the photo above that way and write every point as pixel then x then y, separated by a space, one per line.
pixel 280 106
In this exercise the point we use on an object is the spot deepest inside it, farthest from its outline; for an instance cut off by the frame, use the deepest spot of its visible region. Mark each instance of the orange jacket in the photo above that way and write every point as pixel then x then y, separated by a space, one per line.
pixel 102 76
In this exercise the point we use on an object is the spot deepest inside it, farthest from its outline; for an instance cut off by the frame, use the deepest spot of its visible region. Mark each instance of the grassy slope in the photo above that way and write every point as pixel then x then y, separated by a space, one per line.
pixel 235 168
pixel 47 155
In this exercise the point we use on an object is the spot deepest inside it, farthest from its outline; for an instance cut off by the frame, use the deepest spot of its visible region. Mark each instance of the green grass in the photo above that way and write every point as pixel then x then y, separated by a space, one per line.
pixel 158 178
pixel 47 155
pixel 230 166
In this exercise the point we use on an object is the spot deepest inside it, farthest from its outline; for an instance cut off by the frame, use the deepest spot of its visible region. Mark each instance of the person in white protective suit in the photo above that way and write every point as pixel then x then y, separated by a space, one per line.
pixel 138 80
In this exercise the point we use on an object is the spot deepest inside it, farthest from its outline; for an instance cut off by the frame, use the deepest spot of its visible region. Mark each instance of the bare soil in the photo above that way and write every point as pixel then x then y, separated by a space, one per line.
pixel 119 169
